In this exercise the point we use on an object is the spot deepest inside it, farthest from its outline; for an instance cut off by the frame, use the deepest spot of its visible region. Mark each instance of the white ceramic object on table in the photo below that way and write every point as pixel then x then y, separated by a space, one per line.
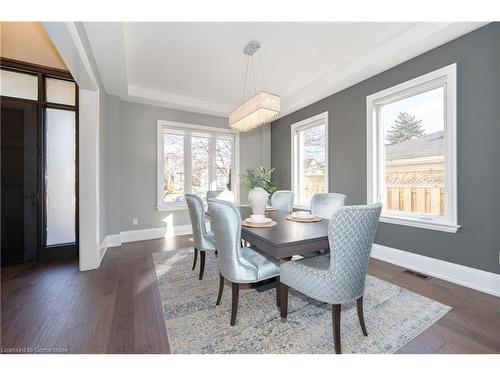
pixel 264 220
pixel 257 219
pixel 302 214
pixel 258 199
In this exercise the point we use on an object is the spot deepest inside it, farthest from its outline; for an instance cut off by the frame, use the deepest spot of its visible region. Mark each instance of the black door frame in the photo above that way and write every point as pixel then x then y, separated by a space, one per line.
pixel 62 251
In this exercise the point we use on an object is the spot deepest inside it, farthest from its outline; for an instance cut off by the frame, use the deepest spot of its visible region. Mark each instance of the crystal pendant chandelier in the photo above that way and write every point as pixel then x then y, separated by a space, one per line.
pixel 260 109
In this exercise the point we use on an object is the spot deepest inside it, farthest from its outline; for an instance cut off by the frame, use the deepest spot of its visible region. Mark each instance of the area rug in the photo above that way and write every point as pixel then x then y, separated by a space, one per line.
pixel 393 315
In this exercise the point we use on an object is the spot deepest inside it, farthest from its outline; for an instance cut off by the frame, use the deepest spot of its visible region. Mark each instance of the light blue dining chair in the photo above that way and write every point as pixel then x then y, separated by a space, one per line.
pixel 238 265
pixel 203 240
pixel 225 195
pixel 282 200
pixel 339 277
pixel 325 204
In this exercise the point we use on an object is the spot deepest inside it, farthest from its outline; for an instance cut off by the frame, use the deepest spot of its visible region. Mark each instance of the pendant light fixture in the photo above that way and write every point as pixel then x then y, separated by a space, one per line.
pixel 261 108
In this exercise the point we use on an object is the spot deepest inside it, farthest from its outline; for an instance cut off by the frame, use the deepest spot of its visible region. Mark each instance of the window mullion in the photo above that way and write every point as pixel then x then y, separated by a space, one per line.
pixel 187 165
pixel 380 167
pixel 211 155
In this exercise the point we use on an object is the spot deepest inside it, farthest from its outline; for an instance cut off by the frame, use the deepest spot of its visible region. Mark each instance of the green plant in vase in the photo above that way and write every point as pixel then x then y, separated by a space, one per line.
pixel 260 177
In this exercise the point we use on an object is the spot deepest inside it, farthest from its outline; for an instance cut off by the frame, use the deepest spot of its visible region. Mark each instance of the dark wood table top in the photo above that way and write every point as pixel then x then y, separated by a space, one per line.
pixel 287 238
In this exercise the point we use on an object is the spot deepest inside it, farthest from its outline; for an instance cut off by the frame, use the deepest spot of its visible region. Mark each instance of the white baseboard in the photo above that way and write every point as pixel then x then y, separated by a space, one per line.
pixel 103 248
pixel 154 233
pixel 469 277
pixel 113 240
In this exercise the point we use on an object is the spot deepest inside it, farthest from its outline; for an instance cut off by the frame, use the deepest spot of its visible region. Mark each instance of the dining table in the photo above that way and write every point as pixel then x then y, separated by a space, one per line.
pixel 287 238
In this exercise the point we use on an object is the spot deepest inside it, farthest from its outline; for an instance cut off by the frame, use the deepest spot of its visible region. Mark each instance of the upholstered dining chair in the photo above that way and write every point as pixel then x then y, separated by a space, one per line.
pixel 203 240
pixel 237 265
pixel 282 200
pixel 225 195
pixel 339 277
pixel 325 204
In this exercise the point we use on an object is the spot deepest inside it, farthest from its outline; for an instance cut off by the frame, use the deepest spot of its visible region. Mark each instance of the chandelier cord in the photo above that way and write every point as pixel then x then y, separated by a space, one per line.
pixel 253 73
pixel 262 71
pixel 245 75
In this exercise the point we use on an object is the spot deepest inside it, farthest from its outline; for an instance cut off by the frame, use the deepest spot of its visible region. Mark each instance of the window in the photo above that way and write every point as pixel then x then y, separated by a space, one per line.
pixel 412 151
pixel 18 84
pixel 193 159
pixel 60 176
pixel 309 158
pixel 223 163
pixel 60 91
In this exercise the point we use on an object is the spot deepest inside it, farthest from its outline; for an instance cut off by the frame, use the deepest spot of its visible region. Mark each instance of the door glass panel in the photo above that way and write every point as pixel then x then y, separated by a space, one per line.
pixel 200 166
pixel 18 85
pixel 60 176
pixel 60 91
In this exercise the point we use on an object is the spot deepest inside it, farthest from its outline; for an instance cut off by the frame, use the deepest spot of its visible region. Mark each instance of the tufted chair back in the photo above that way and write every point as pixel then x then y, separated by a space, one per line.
pixel 326 204
pixel 226 224
pixel 351 233
pixel 197 215
pixel 282 200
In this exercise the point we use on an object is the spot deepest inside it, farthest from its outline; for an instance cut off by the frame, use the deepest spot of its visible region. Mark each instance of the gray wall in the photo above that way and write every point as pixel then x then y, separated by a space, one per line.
pixel 477 55
pixel 255 150
pixel 112 169
pixel 131 161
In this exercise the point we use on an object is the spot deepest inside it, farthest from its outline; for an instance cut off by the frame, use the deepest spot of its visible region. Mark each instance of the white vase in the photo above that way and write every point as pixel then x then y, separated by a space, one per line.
pixel 258 198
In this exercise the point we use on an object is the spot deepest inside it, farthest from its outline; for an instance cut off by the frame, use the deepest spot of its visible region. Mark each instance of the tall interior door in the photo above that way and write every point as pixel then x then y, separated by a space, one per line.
pixel 39 163
pixel 19 171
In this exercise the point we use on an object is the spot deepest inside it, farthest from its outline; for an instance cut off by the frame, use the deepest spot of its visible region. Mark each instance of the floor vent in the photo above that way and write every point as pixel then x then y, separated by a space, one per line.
pixel 417 274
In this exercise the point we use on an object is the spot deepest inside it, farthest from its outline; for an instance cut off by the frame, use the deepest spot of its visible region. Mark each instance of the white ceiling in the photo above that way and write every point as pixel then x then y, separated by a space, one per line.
pixel 198 66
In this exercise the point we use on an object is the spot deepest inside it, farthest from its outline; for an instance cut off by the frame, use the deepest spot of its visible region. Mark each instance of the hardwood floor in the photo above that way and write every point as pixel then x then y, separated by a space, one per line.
pixel 117 308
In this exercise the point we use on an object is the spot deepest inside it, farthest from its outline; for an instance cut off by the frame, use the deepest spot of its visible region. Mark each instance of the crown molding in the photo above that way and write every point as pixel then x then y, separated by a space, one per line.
pixel 174 101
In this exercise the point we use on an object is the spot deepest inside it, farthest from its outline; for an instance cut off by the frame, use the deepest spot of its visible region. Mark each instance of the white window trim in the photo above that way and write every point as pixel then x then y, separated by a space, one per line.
pixel 192 129
pixel 446 77
pixel 304 124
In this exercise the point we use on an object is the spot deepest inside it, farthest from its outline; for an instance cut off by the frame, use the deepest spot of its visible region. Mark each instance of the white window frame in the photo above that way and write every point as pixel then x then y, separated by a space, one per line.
pixel 193 130
pixel 322 118
pixel 445 77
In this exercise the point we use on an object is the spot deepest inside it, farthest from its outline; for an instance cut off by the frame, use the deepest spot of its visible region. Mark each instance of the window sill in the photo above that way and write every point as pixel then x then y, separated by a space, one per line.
pixel 410 222
pixel 177 207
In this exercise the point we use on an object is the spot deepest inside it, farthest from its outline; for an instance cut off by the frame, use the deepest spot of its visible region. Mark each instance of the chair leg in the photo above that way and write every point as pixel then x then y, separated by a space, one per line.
pixel 336 327
pixel 202 264
pixel 283 301
pixel 195 257
pixel 361 315
pixel 234 303
pixel 278 291
pixel 221 289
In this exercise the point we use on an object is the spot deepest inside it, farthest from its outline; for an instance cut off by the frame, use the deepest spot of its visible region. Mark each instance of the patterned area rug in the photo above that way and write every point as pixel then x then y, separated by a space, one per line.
pixel 393 315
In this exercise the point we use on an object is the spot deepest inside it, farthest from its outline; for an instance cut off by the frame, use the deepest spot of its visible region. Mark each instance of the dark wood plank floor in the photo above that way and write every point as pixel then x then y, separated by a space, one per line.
pixel 117 308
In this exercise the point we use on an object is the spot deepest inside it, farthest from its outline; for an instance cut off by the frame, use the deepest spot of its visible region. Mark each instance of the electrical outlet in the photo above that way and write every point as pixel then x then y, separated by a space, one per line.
pixel 135 221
